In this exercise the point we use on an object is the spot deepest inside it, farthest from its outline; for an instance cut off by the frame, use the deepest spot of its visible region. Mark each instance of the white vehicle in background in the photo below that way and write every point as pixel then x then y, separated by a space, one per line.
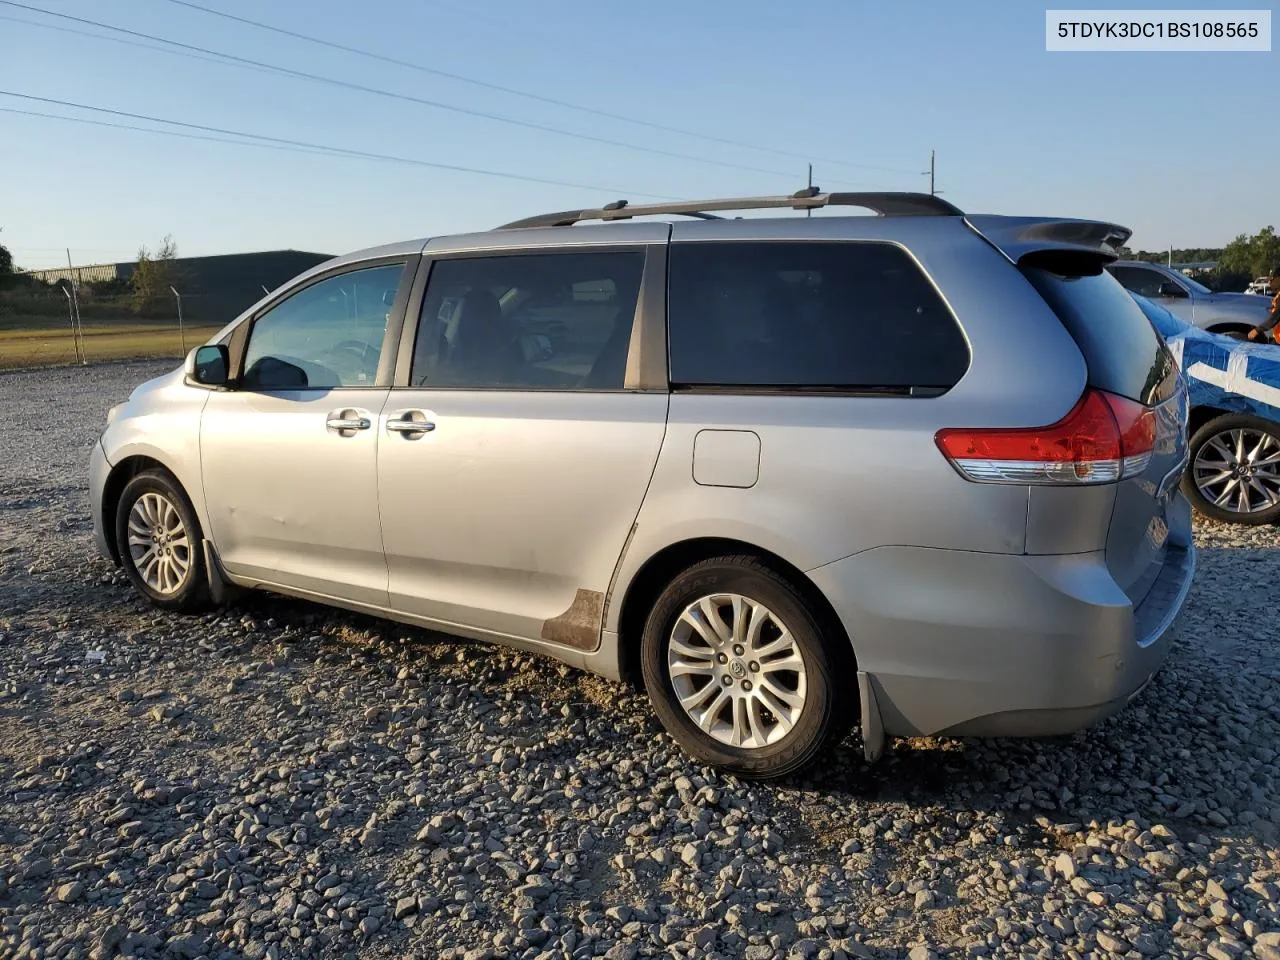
pixel 1261 287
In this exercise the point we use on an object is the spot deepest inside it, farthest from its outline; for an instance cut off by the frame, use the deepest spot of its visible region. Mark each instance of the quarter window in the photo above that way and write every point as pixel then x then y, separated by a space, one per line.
pixel 559 321
pixel 816 315
pixel 324 336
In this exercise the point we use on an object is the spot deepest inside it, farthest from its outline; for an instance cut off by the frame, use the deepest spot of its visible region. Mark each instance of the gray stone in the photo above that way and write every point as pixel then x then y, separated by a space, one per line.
pixel 111 937
pixel 1065 865
pixel 1112 944
pixel 620 913
pixel 185 947
pixel 704 938
pixel 538 889
pixel 37 869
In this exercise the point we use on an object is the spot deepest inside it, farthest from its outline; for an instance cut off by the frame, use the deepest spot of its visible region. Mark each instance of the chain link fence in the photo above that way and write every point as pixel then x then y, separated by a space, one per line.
pixel 154 307
pixel 58 324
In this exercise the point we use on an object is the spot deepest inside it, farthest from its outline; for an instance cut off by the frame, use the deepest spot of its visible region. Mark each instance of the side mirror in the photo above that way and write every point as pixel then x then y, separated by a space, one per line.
pixel 209 365
pixel 1170 289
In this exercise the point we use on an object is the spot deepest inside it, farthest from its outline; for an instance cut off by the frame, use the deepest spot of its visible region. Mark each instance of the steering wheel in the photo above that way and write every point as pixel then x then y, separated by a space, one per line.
pixel 367 351
pixel 352 358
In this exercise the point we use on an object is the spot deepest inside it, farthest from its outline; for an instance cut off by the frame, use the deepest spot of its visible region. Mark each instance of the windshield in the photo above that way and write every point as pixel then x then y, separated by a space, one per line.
pixel 1197 287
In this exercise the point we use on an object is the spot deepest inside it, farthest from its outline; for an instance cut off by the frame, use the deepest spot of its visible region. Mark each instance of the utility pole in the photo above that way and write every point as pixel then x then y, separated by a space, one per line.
pixel 932 171
pixel 72 276
pixel 75 341
pixel 809 210
pixel 182 333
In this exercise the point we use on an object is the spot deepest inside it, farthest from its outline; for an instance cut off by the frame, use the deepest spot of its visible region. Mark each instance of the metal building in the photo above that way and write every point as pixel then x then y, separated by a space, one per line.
pixel 214 289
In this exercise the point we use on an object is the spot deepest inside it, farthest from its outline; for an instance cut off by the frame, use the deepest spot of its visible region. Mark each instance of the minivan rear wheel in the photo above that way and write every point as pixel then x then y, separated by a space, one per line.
pixel 1234 470
pixel 160 543
pixel 736 669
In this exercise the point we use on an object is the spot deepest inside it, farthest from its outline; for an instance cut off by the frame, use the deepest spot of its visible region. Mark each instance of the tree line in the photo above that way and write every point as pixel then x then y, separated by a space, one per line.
pixel 149 288
pixel 1245 258
pixel 154 275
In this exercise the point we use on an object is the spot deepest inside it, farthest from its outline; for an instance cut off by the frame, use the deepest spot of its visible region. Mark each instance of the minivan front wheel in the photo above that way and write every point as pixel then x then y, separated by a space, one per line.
pixel 736 670
pixel 160 543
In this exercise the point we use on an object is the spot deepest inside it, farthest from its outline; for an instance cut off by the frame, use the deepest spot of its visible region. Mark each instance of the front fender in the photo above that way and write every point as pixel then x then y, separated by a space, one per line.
pixel 163 424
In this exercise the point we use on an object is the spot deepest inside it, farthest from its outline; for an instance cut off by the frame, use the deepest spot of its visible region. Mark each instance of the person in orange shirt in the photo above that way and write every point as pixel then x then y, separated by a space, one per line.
pixel 1267 329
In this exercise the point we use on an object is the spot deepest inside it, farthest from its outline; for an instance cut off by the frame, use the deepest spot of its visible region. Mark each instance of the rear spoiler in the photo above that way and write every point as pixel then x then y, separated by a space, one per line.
pixel 1016 237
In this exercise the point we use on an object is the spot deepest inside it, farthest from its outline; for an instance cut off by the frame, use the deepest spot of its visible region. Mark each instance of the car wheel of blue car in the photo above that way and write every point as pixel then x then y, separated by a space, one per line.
pixel 1234 473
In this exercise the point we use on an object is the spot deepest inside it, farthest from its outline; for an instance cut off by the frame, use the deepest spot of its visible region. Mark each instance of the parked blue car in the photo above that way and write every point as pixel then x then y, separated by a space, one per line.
pixel 1233 473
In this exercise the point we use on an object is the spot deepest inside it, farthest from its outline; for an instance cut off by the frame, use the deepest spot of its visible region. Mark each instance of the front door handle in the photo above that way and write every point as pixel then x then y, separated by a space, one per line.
pixel 406 426
pixel 345 423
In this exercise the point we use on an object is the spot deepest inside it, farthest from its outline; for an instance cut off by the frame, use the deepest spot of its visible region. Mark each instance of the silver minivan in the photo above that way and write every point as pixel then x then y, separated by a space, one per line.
pixel 915 471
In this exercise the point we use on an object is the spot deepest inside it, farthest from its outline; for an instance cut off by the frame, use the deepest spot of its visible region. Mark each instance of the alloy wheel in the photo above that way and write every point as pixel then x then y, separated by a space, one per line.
pixel 1238 470
pixel 158 543
pixel 736 670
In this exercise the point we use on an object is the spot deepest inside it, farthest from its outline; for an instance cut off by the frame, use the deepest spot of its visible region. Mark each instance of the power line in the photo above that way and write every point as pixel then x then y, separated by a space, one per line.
pixel 281 143
pixel 61 249
pixel 524 93
pixel 97 36
pixel 346 84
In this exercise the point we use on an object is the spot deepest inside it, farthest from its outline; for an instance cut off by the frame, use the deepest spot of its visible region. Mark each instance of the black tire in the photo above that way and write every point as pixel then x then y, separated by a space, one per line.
pixel 1199 440
pixel 192 592
pixel 819 722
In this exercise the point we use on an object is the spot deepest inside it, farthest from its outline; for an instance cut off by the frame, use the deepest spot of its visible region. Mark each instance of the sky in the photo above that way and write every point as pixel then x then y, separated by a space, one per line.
pixel 1181 147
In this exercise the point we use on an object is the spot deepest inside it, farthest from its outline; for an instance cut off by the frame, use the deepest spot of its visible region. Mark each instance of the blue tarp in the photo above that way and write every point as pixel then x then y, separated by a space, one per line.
pixel 1221 372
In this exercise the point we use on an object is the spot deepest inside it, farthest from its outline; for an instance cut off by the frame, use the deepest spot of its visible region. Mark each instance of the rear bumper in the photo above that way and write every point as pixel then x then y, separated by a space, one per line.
pixel 99 468
pixel 973 644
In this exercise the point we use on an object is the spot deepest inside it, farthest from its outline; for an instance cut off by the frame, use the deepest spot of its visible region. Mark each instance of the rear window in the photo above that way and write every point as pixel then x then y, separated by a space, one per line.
pixel 848 316
pixel 1124 353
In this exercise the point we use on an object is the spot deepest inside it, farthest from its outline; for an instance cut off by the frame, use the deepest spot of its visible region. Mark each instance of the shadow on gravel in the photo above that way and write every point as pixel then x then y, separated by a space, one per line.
pixel 1195 752
pixel 1190 753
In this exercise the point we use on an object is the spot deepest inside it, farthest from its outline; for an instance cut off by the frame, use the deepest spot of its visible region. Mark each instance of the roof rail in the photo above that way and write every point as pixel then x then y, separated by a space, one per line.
pixel 903 204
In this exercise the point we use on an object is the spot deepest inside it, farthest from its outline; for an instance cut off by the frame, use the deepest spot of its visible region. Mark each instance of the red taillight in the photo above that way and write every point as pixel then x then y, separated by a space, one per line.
pixel 1137 426
pixel 1103 439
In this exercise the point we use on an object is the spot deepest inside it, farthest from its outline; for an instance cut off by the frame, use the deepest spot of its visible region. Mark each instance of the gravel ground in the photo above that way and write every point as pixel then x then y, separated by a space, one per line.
pixel 280 780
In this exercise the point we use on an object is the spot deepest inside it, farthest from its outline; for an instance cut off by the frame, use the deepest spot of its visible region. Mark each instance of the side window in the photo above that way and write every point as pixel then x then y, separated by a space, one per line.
pixel 841 315
pixel 1145 283
pixel 326 335
pixel 554 321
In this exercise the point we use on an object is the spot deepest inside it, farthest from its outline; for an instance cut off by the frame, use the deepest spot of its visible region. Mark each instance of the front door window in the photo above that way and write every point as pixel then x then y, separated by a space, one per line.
pixel 325 336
